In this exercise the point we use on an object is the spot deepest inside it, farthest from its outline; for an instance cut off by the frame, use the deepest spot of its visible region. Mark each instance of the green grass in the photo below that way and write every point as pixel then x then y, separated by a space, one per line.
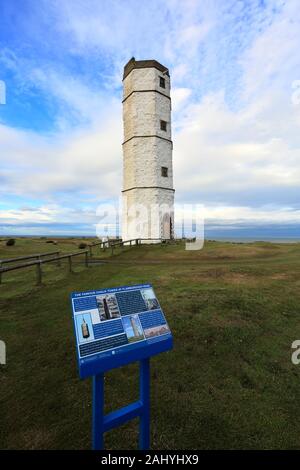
pixel 228 383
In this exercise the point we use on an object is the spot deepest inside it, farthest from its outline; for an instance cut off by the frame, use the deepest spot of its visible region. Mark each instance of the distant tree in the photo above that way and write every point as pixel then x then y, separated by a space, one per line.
pixel 10 242
pixel 81 246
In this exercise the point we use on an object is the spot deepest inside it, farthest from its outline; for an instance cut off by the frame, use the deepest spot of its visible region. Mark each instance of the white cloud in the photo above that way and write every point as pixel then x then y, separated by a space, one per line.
pixel 80 161
pixel 179 98
pixel 272 61
pixel 218 151
pixel 264 214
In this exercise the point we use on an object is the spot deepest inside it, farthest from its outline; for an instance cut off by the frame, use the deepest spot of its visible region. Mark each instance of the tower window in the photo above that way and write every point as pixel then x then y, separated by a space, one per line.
pixel 163 125
pixel 162 82
pixel 164 171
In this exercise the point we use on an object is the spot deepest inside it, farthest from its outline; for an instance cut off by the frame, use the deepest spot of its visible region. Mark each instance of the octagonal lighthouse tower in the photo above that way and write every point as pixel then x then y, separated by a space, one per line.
pixel 148 194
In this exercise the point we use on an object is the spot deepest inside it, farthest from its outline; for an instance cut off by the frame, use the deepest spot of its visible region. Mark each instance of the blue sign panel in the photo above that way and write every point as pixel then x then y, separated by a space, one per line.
pixel 116 326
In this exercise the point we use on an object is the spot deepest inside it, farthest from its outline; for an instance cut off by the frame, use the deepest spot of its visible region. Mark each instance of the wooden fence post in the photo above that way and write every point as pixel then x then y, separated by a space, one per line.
pixel 90 248
pixel 86 259
pixel 0 272
pixel 39 273
pixel 112 249
pixel 58 260
pixel 70 264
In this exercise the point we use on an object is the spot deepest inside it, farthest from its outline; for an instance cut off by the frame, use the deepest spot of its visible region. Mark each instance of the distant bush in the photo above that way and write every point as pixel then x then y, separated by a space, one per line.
pixel 10 242
pixel 81 246
pixel 51 241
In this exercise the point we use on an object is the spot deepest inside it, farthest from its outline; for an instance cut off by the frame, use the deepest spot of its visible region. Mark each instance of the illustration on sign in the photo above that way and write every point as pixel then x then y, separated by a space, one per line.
pixel 123 321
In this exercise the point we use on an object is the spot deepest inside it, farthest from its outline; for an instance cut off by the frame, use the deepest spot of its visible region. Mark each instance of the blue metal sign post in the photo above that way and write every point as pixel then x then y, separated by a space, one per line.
pixel 98 412
pixel 141 408
pixel 114 327
pixel 144 439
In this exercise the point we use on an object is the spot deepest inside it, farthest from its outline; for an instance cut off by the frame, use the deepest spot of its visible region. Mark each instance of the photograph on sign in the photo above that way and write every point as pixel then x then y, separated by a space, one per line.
pixel 133 328
pixel 108 307
pixel 150 299
pixel 156 331
pixel 84 328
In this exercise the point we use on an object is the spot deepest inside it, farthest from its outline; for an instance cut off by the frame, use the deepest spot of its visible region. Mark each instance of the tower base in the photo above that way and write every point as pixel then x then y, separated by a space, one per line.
pixel 148 214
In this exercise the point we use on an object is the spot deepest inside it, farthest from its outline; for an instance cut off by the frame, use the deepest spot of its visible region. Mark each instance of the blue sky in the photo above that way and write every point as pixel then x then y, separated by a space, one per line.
pixel 235 71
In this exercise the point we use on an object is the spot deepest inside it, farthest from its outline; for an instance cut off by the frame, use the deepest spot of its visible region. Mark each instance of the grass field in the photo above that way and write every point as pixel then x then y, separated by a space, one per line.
pixel 234 310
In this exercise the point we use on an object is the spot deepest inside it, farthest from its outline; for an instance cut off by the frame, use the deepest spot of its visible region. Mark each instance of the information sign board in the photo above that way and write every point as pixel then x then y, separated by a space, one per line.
pixel 116 326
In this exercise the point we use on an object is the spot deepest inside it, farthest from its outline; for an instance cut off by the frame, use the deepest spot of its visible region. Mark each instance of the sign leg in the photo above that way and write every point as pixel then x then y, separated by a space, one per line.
pixel 98 411
pixel 145 399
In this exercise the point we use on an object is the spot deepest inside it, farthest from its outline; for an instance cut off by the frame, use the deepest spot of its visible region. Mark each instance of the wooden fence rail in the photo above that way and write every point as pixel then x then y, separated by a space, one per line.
pixel 38 264
pixel 23 258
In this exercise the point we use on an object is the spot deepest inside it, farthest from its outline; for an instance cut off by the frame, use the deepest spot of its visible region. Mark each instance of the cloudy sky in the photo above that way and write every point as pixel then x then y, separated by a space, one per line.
pixel 235 71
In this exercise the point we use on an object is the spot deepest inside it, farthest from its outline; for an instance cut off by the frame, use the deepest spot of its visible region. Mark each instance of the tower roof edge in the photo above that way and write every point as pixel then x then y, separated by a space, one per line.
pixel 142 64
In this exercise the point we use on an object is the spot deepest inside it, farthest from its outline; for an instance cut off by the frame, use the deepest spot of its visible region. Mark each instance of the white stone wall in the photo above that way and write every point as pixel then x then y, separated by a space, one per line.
pixel 142 113
pixel 145 79
pixel 151 154
pixel 144 207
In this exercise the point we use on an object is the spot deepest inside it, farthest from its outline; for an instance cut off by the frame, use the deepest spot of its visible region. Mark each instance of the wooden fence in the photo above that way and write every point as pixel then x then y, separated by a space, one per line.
pixel 112 244
pixel 43 258
pixel 38 263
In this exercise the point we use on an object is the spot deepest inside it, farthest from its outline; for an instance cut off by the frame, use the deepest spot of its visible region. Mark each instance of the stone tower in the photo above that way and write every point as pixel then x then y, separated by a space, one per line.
pixel 134 327
pixel 148 194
